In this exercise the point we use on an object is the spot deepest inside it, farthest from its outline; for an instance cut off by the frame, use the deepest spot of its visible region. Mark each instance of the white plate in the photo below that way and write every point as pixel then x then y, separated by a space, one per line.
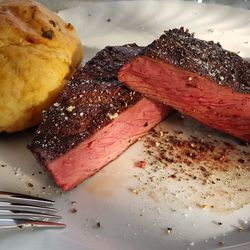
pixel 130 221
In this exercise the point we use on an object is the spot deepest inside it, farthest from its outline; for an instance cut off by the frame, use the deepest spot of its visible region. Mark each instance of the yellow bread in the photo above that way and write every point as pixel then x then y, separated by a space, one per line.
pixel 38 52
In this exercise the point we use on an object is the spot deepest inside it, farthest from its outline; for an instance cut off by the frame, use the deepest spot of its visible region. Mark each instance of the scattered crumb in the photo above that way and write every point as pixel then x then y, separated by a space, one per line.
pixel 30 185
pixel 134 191
pixel 108 20
pixel 169 230
pixel 203 206
pixel 98 224
pixel 3 165
pixel 73 210
pixel 221 243
pixel 69 26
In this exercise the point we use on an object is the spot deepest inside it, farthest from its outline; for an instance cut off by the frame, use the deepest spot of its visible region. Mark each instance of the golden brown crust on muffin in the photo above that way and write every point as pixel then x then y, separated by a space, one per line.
pixel 38 52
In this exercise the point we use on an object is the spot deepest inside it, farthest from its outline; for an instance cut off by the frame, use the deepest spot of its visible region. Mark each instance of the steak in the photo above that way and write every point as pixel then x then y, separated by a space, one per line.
pixel 93 120
pixel 195 77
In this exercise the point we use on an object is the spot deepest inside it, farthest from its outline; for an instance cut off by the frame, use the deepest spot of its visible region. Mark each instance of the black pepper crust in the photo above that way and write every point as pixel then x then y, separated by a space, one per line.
pixel 107 62
pixel 209 59
pixel 90 101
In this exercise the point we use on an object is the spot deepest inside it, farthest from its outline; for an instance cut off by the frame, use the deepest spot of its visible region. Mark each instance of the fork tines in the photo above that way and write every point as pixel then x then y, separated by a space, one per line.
pixel 18 210
pixel 24 199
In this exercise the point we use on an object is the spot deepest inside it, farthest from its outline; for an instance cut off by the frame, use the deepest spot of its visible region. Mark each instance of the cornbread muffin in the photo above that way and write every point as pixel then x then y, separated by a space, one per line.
pixel 38 52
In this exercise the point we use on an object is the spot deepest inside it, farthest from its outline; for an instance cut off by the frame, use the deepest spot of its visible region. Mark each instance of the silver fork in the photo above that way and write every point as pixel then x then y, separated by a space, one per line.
pixel 22 211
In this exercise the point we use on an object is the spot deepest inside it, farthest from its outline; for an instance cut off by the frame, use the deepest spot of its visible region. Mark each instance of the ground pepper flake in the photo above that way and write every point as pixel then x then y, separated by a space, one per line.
pixel 140 164
pixel 241 160
pixel 193 159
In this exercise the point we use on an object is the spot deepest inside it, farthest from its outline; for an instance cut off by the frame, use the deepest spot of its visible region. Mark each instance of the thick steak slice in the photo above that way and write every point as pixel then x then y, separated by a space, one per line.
pixel 196 77
pixel 94 120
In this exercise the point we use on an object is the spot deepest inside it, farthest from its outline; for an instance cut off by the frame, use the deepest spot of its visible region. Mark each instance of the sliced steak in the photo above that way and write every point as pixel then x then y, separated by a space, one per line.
pixel 94 120
pixel 196 77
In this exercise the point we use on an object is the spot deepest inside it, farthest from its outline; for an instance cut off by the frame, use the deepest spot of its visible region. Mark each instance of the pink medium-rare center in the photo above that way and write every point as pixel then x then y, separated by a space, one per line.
pixel 107 144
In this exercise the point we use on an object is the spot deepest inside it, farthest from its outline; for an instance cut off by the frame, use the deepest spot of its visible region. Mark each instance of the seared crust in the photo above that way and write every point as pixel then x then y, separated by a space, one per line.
pixel 90 101
pixel 208 59
pixel 107 62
